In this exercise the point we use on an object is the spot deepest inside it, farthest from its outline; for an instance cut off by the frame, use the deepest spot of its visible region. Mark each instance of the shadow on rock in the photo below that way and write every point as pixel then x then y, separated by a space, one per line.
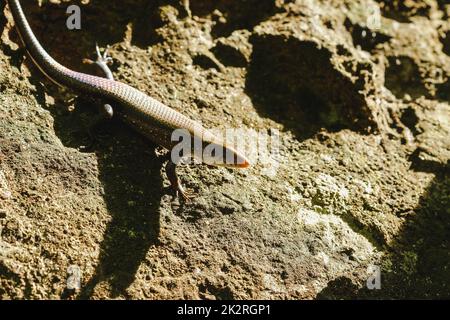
pixel 295 83
pixel 99 24
pixel 234 15
pixel 443 91
pixel 128 169
pixel 403 77
pixel 132 189
pixel 418 263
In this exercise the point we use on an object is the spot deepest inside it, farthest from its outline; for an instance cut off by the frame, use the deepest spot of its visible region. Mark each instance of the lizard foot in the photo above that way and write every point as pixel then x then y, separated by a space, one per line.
pixel 186 194
pixel 105 57
pixel 103 61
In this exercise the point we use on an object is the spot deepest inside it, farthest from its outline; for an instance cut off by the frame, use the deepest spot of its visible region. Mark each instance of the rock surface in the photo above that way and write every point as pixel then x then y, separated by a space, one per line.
pixel 358 91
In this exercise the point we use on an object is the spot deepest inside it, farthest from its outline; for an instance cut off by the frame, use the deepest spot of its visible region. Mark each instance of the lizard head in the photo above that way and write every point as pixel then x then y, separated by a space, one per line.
pixel 209 149
pixel 221 155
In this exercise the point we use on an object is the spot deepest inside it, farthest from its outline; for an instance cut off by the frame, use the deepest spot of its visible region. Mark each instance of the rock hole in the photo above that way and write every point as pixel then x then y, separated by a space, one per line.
pixel 402 11
pixel 443 91
pixel 409 118
pixel 229 55
pixel 206 61
pixel 234 15
pixel 364 37
pixel 445 39
pixel 403 78
pixel 295 83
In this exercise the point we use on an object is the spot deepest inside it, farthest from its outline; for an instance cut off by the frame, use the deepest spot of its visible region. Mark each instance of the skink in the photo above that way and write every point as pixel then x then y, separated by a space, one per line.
pixel 143 113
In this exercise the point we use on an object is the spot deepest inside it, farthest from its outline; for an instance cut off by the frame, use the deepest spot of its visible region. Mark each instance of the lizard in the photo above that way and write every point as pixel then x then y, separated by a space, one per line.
pixel 146 115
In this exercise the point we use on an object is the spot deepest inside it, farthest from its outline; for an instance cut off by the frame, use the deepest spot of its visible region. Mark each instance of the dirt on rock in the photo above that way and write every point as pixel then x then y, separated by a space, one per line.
pixel 357 92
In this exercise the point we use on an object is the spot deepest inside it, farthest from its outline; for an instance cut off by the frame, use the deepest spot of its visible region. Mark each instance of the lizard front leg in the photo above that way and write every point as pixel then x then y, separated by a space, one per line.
pixel 102 61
